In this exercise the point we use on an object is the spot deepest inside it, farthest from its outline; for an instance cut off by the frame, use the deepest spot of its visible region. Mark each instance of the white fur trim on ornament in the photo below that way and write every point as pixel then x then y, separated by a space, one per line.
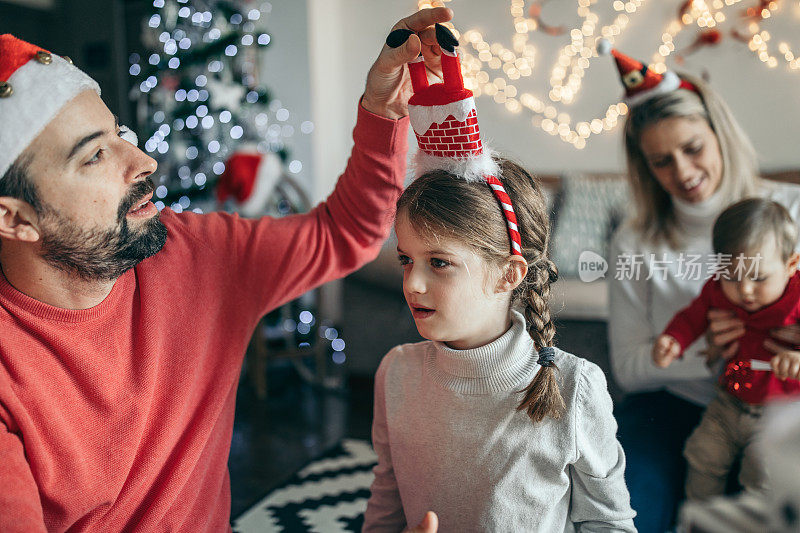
pixel 670 83
pixel 40 91
pixel 422 116
pixel 472 168
pixel 268 175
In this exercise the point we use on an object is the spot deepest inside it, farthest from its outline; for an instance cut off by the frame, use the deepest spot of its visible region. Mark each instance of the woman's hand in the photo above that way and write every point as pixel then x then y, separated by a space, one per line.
pixel 789 335
pixel 388 82
pixel 723 330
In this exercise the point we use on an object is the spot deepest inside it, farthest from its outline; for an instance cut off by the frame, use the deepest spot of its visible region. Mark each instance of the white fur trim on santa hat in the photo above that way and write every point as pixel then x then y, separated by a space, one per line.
pixel 603 47
pixel 670 83
pixel 473 168
pixel 40 91
pixel 422 116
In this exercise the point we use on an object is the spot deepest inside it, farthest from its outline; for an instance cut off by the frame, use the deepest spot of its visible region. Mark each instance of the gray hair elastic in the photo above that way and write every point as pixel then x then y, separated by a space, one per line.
pixel 546 356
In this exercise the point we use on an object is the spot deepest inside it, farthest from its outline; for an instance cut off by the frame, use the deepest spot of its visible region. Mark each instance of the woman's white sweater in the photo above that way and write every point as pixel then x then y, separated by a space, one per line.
pixel 450 439
pixel 640 308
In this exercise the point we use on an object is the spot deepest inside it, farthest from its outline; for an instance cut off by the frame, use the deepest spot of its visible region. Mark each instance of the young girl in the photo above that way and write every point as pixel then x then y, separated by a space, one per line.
pixel 486 424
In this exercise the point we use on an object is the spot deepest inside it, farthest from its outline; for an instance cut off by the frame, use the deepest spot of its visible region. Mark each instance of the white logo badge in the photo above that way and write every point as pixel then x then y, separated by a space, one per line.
pixel 591 266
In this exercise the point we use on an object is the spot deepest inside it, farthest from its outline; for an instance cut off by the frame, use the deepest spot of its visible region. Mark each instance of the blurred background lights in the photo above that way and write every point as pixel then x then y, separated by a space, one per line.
pixel 338 344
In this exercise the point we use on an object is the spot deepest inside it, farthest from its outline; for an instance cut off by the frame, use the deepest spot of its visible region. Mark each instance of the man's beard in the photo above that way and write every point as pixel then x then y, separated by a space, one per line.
pixel 98 254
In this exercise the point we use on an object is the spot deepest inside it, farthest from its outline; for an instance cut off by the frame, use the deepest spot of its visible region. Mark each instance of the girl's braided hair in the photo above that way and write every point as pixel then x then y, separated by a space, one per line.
pixel 439 203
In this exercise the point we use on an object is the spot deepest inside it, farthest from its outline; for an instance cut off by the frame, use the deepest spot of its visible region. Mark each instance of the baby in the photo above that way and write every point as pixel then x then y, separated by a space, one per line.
pixel 761 286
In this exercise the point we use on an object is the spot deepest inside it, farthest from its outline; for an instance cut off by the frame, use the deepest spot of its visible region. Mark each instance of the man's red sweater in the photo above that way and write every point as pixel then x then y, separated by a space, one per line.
pixel 739 379
pixel 120 417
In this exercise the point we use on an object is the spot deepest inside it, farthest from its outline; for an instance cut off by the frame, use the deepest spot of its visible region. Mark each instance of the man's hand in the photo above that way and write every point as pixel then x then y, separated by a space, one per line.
pixel 429 524
pixel 665 350
pixel 388 82
pixel 723 330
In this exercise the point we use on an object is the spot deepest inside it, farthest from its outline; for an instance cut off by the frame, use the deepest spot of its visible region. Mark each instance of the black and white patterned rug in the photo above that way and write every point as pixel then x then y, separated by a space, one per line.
pixel 327 496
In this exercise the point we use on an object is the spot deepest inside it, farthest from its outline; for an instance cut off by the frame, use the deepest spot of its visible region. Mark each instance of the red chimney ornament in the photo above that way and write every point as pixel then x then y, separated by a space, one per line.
pixel 445 122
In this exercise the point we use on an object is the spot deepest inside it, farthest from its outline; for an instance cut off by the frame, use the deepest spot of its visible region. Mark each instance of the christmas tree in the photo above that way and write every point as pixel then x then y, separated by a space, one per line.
pixel 200 101
pixel 198 94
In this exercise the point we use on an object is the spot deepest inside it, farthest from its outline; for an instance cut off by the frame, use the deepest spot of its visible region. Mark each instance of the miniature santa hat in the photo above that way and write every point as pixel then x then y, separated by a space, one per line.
pixel 34 85
pixel 640 81
pixel 445 122
pixel 249 179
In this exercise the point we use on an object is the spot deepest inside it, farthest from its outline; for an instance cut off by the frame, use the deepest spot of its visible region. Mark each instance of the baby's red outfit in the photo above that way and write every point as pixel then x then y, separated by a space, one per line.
pixel 751 386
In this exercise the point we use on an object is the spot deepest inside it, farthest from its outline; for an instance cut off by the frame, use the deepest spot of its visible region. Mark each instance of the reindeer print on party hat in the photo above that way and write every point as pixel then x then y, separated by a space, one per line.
pixel 445 122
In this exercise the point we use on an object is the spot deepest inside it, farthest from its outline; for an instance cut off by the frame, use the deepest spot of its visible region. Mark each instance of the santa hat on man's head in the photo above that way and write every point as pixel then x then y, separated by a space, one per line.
pixel 445 122
pixel 34 85
pixel 249 179
pixel 640 81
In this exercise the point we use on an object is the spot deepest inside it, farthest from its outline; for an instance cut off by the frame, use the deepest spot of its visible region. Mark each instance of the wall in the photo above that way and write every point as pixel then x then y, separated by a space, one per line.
pixel 284 70
pixel 765 101
pixel 91 32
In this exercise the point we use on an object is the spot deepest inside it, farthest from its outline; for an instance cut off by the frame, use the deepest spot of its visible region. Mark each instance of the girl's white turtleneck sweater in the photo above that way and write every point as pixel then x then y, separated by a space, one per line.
pixel 640 308
pixel 450 439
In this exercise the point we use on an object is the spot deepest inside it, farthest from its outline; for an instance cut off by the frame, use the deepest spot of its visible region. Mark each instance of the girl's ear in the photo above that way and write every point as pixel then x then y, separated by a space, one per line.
pixel 515 269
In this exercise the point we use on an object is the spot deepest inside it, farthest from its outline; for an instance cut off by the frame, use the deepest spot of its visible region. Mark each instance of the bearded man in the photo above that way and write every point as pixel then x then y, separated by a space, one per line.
pixel 117 390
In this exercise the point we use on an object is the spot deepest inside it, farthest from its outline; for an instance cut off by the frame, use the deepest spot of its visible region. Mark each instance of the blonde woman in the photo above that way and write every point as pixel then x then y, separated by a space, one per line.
pixel 688 159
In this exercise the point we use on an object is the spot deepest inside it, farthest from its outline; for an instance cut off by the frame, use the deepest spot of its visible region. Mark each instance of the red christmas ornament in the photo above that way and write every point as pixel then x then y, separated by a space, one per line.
pixel 535 12
pixel 710 37
pixel 757 12
pixel 249 179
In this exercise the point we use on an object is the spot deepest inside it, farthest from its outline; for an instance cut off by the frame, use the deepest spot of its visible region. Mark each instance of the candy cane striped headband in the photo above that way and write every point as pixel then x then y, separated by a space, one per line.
pixel 445 122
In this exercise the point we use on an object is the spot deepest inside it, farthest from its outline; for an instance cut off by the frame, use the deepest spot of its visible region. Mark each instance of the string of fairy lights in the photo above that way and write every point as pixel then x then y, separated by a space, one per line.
pixel 709 14
pixel 493 70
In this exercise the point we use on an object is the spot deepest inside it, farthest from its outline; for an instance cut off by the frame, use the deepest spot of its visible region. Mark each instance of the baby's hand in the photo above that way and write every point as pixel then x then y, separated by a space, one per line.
pixel 665 350
pixel 786 364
